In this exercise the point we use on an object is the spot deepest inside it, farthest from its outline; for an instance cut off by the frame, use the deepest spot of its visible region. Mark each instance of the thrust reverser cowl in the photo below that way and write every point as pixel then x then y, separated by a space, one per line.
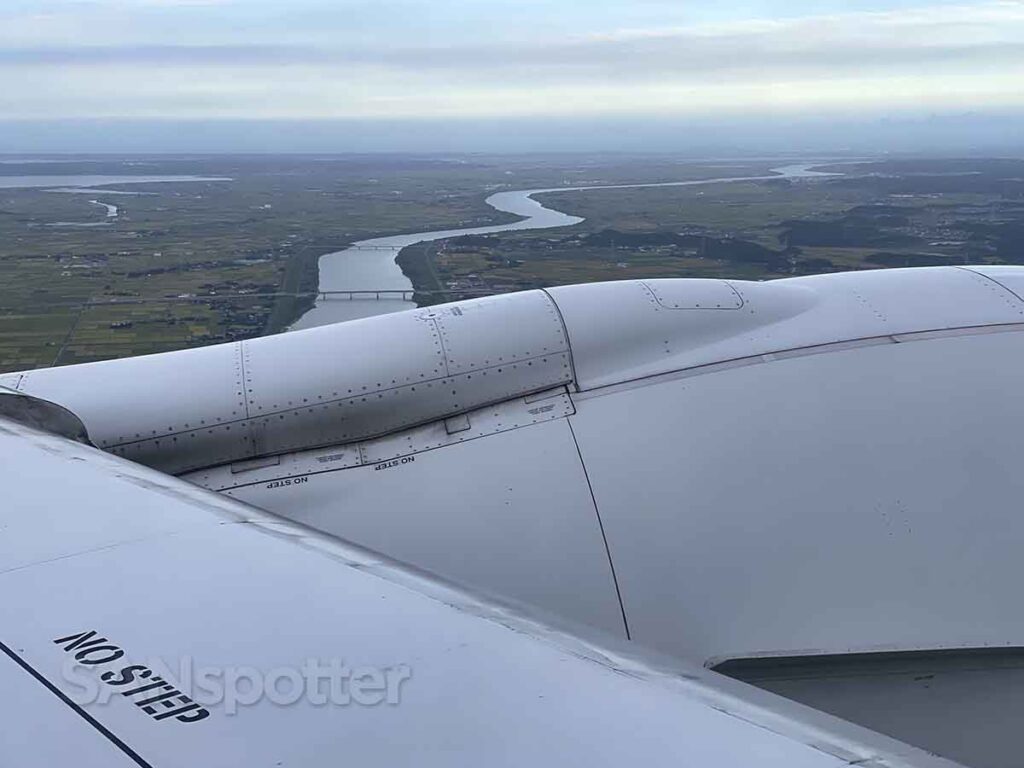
pixel 630 330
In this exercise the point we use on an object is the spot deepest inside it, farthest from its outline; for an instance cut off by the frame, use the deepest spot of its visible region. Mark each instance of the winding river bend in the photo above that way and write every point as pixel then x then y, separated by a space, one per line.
pixel 370 264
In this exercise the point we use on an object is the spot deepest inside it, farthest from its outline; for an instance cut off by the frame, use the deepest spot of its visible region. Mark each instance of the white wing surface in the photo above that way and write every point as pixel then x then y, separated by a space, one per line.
pixel 126 596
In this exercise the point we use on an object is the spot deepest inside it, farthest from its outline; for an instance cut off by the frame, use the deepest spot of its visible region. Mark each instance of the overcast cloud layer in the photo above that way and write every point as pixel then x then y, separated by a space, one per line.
pixel 523 59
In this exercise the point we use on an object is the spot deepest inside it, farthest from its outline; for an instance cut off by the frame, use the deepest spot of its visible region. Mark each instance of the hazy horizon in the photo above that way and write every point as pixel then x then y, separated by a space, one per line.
pixel 510 75
pixel 957 134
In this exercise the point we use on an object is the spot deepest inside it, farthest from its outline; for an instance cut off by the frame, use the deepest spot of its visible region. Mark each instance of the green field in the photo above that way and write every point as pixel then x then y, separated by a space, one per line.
pixel 155 278
pixel 260 233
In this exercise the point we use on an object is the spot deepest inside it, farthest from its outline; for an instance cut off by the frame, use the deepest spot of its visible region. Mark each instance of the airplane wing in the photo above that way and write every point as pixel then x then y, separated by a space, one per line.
pixel 145 621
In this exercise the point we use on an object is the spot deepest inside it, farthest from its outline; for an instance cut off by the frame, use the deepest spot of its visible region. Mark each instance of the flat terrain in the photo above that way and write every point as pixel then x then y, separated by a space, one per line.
pixel 185 264
pixel 175 248
pixel 886 214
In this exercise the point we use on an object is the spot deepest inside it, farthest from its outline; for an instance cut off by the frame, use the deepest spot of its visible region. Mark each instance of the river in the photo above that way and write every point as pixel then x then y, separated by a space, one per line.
pixel 370 264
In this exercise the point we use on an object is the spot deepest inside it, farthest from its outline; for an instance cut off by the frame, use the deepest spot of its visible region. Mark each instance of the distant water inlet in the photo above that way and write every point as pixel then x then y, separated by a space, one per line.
pixel 91 184
pixel 112 213
pixel 110 207
pixel 368 266
pixel 85 180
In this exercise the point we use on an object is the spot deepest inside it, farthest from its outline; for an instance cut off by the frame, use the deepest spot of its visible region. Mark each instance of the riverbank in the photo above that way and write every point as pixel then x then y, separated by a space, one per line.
pixel 302 277
pixel 504 264
pixel 417 265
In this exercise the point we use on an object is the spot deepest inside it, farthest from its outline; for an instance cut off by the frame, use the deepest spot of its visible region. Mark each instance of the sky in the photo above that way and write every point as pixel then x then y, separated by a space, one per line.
pixel 188 75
